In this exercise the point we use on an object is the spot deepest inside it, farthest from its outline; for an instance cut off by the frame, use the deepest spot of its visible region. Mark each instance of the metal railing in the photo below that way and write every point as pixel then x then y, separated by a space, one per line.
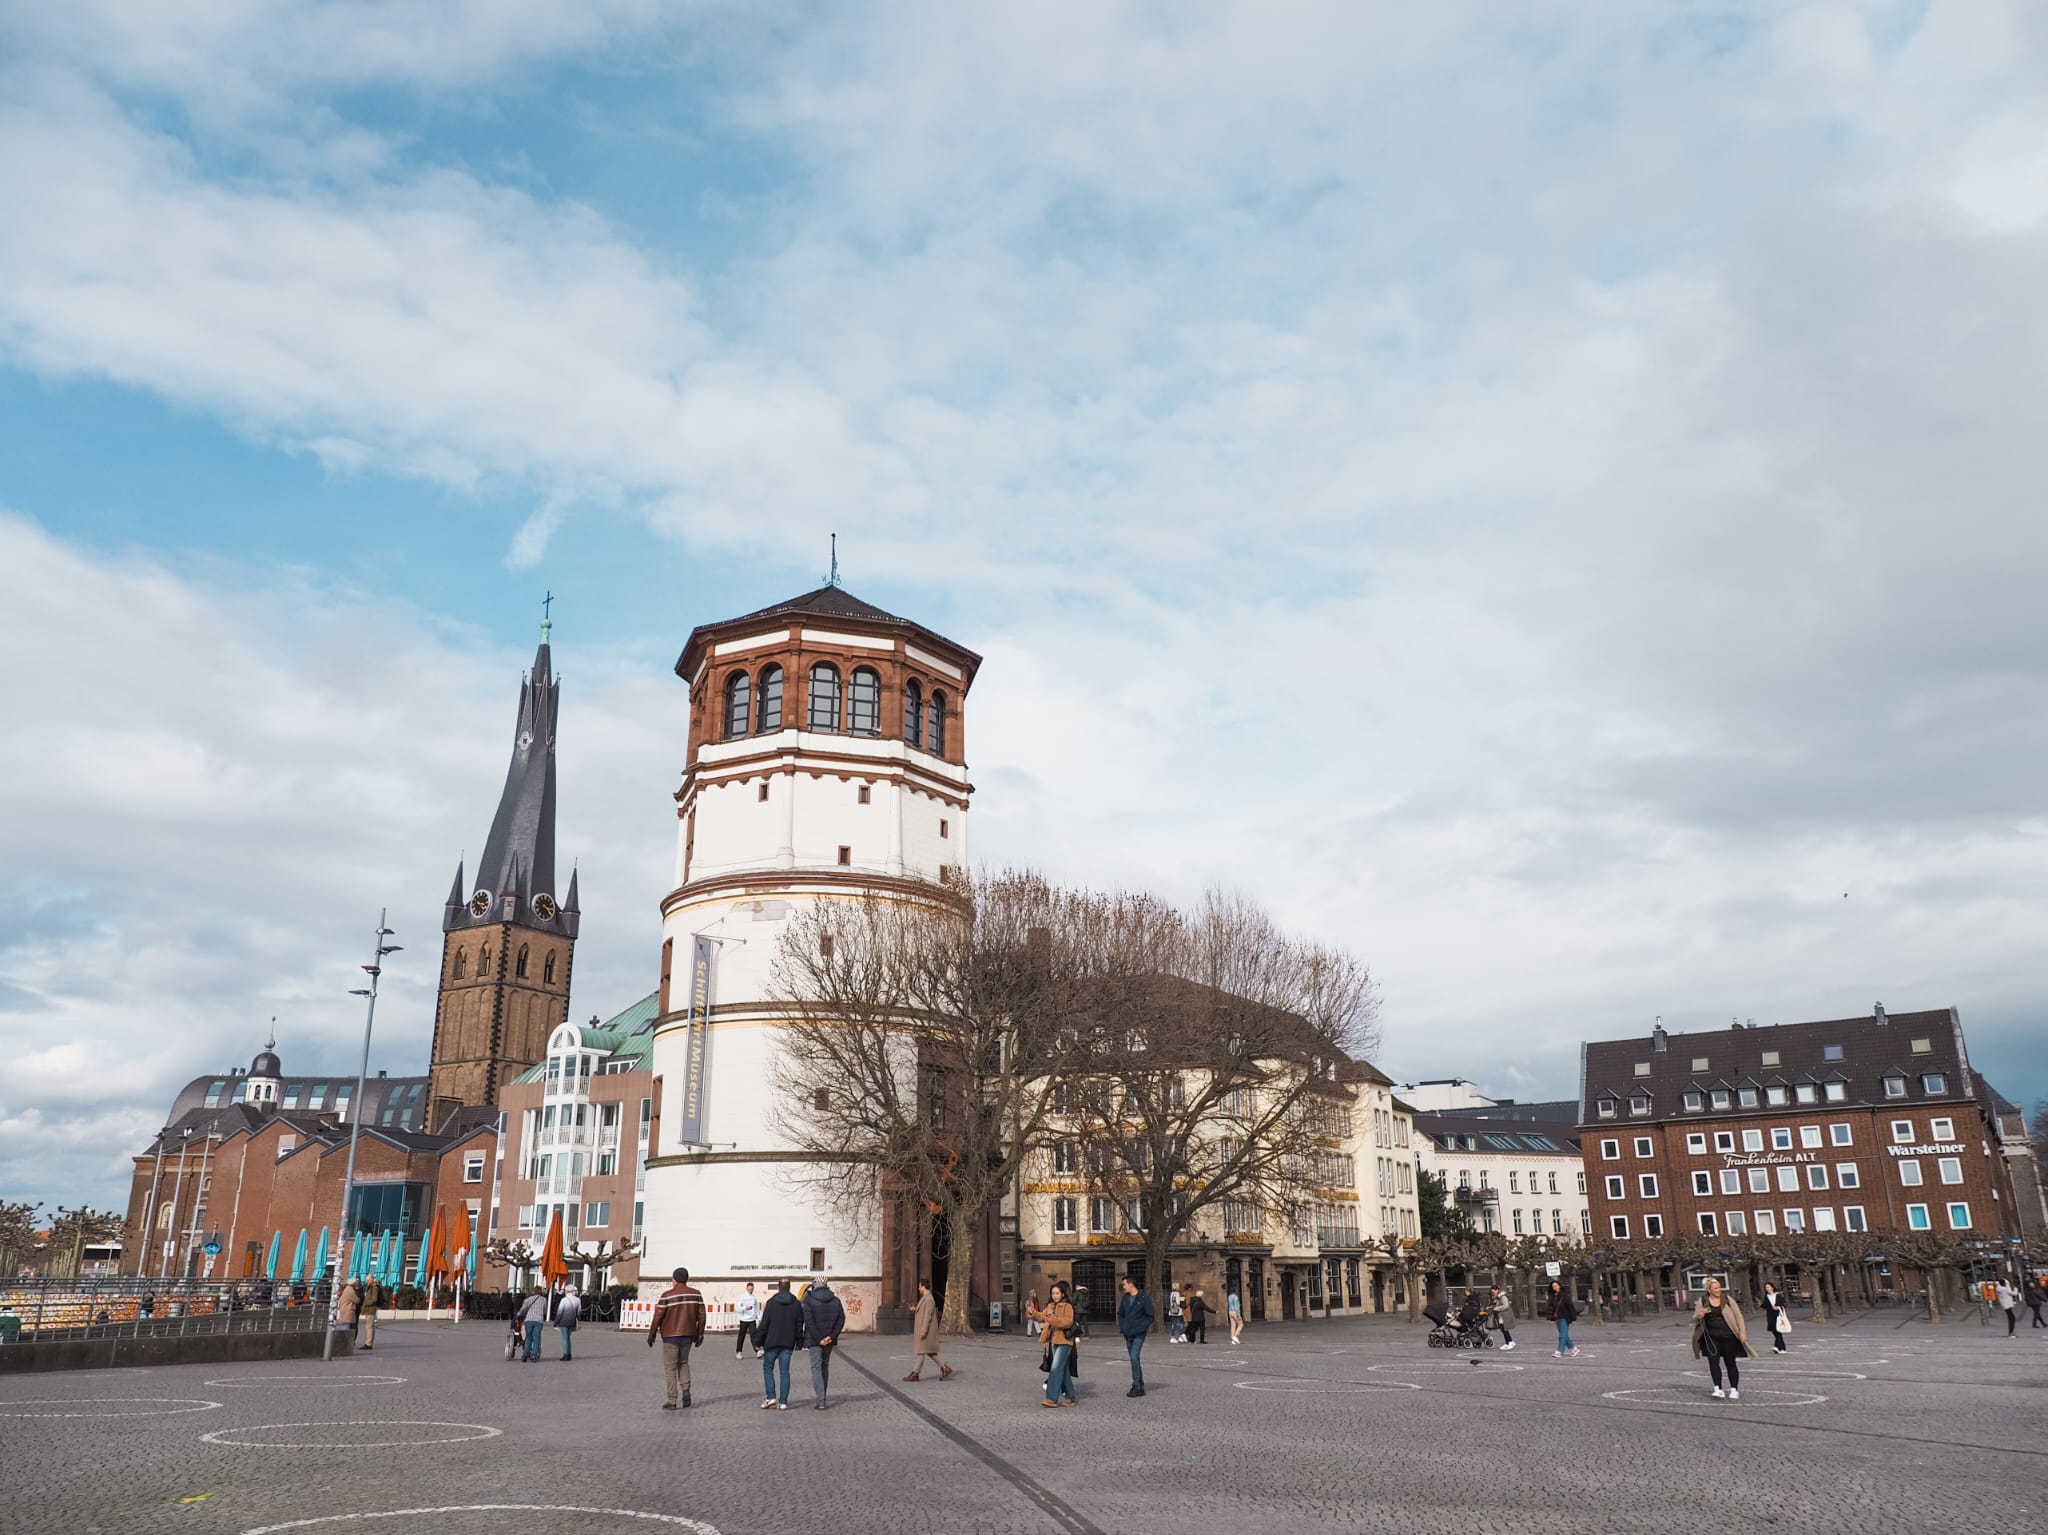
pixel 41 1309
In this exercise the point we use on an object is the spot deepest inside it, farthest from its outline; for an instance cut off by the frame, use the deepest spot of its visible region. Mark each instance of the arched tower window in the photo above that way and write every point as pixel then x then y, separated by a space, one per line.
pixel 913 713
pixel 824 696
pixel 520 969
pixel 547 970
pixel 483 962
pixel 738 698
pixel 768 708
pixel 461 964
pixel 864 702
pixel 935 725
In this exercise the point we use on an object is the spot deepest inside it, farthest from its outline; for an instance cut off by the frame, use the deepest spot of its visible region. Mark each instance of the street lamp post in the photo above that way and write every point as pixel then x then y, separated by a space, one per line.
pixel 355 1128
pixel 148 1233
pixel 177 1188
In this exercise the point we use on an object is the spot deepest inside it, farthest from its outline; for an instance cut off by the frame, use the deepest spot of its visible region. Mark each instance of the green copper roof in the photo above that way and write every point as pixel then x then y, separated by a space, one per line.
pixel 626 1037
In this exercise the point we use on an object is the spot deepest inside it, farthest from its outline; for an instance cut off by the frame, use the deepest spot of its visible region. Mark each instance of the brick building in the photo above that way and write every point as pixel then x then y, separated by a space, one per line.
pixel 1873 1124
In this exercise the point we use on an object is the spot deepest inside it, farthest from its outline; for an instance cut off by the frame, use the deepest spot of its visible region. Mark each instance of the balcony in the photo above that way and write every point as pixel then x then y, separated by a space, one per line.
pixel 1473 1199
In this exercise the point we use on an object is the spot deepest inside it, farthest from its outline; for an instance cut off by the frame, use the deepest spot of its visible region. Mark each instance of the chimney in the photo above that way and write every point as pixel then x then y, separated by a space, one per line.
pixel 1657 1035
pixel 1879 1014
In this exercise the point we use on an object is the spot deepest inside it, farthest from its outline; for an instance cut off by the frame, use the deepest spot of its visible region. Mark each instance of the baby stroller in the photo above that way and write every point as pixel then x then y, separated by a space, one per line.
pixel 515 1342
pixel 1447 1331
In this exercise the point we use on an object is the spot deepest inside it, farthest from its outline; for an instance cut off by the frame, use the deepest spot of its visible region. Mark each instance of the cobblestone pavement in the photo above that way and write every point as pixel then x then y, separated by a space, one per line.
pixel 1354 1425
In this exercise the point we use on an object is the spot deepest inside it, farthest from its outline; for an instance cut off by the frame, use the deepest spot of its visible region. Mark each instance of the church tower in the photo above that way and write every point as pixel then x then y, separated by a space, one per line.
pixel 507 943
pixel 826 762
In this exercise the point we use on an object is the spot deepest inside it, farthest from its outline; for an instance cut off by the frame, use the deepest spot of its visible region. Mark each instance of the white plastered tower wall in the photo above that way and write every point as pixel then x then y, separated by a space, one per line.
pixel 772 821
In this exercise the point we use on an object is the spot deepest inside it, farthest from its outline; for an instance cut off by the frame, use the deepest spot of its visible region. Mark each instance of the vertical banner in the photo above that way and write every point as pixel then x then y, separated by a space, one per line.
pixel 696 1065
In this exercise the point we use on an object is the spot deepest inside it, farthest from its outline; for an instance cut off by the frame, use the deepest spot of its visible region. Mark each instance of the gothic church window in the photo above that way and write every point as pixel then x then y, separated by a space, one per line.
pixel 864 702
pixel 738 700
pixel 824 696
pixel 768 708
pixel 483 962
pixel 547 971
pixel 913 713
pixel 461 963
pixel 520 969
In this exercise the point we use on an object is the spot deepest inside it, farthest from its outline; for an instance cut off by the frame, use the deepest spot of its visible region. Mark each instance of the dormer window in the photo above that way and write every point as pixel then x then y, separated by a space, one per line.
pixel 1894 1086
pixel 1835 1092
pixel 1777 1097
pixel 1608 1108
pixel 1746 1096
pixel 1806 1092
pixel 1933 1082
pixel 1695 1100
pixel 1639 1104
pixel 1723 1099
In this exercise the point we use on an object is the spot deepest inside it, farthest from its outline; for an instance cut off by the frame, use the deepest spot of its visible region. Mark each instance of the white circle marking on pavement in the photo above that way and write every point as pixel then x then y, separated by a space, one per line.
pixel 697 1525
pixel 1775 1374
pixel 1325 1387
pixel 187 1404
pixel 1481 1365
pixel 221 1435
pixel 1671 1396
pixel 315 1380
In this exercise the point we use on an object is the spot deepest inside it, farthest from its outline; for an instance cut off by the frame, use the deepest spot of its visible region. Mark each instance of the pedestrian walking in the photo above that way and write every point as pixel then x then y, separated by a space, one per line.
pixel 366 1311
pixel 1058 1321
pixel 2037 1296
pixel 348 1306
pixel 781 1334
pixel 1775 1320
pixel 568 1312
pixel 1176 1316
pixel 1134 1317
pixel 2009 1303
pixel 1031 1325
pixel 824 1321
pixel 1497 1303
pixel 1198 1317
pixel 747 1311
pixel 1564 1313
pixel 533 1316
pixel 678 1322
pixel 924 1332
pixel 1719 1337
pixel 1233 1307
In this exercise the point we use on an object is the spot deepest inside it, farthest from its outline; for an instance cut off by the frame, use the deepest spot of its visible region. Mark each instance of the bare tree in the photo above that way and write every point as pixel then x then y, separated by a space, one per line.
pixel 912 1061
pixel 1201 1080
pixel 17 1235
pixel 72 1231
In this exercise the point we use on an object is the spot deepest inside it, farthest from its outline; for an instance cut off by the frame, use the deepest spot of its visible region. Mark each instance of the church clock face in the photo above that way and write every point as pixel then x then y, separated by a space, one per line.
pixel 544 907
pixel 480 903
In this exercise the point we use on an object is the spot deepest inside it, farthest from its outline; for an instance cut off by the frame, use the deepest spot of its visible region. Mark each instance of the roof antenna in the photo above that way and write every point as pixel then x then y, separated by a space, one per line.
pixel 833 579
pixel 547 619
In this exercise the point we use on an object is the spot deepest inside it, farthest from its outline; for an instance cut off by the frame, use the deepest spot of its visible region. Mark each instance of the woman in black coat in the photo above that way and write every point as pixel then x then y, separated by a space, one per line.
pixel 1564 1313
pixel 1774 1306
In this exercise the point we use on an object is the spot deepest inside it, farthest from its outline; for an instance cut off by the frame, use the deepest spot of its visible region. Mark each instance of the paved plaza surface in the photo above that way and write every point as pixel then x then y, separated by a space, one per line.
pixel 1875 1425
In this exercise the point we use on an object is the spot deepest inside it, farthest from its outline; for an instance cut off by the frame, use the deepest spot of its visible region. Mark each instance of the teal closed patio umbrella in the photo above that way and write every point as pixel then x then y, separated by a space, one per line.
pixel 270 1268
pixel 394 1261
pixel 299 1259
pixel 419 1272
pixel 320 1255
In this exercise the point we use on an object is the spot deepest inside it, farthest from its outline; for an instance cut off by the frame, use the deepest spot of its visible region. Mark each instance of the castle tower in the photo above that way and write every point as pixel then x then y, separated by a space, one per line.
pixel 507 944
pixel 826 761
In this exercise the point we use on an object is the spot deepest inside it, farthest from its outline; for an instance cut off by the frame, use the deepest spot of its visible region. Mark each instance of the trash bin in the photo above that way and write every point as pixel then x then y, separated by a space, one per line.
pixel 10 1328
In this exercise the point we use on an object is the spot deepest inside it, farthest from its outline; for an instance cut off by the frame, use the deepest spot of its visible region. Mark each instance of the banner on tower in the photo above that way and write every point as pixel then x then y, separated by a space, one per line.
pixel 696 1057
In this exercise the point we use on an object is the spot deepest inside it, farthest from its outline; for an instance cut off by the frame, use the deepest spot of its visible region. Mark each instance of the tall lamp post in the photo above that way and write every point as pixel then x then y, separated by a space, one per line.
pixel 177 1190
pixel 148 1233
pixel 355 1128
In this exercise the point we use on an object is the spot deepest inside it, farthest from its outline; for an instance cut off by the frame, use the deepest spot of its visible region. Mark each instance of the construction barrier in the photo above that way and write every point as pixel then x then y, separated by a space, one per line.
pixel 638 1315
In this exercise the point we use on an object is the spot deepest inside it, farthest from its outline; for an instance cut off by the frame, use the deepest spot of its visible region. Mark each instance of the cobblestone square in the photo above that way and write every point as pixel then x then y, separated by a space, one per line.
pixel 1875 1425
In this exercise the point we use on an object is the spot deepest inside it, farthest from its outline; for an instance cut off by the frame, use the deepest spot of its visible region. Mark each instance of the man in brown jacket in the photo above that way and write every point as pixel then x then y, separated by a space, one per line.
pixel 679 1324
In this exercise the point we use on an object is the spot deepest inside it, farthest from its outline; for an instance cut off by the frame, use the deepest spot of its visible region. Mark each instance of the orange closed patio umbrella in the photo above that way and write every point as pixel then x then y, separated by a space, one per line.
pixel 554 1268
pixel 440 1257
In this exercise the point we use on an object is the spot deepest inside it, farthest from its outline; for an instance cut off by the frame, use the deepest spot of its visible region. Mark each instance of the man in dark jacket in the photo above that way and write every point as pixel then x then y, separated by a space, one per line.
pixel 780 1334
pixel 824 1321
pixel 1198 1318
pixel 1134 1321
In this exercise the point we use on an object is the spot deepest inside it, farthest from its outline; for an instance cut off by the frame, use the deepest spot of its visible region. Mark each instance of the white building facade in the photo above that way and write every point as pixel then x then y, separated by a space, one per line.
pixel 825 762
pixel 1518 1177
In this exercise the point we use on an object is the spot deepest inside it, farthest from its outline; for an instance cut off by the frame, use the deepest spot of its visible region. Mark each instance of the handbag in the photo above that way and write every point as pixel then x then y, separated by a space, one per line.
pixel 1784 1322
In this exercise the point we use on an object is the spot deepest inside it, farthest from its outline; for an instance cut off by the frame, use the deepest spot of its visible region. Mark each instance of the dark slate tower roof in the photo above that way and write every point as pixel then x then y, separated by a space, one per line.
pixel 515 878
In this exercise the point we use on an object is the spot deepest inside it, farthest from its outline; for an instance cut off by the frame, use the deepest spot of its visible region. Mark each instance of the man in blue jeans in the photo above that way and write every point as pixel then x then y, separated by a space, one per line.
pixel 780 1334
pixel 533 1316
pixel 1134 1321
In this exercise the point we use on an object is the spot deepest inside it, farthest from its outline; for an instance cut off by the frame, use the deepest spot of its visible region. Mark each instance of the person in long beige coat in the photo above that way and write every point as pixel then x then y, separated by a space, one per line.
pixel 346 1305
pixel 1720 1337
pixel 924 1333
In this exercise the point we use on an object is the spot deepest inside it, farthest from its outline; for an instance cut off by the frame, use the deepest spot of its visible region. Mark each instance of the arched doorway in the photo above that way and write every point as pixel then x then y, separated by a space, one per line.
pixel 1095 1288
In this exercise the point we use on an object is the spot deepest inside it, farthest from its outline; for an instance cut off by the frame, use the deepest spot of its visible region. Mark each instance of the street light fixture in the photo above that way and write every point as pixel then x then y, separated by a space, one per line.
pixel 375 968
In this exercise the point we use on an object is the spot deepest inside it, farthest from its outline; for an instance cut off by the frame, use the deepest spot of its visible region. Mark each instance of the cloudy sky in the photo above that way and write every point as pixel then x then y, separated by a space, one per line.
pixel 1548 496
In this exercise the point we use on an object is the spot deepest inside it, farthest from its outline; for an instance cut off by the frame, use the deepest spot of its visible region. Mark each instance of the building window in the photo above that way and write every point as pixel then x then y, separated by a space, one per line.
pixel 945 829
pixel 1695 1101
pixel 1941 1129
pixel 1063 1156
pixel 1746 1096
pixel 1788 1179
pixel 1723 1099
pixel 1063 1216
pixel 768 704
pixel 1916 1218
pixel 1950 1169
pixel 1909 1172
pixel 1846 1176
pixel 1585 1222
pixel 864 795
pixel 1823 1218
pixel 1809 1136
pixel 1776 1097
pixel 1923 1047
pixel 1703 1183
pixel 1617 1226
pixel 1643 1148
pixel 1759 1180
pixel 1724 1140
pixel 1606 1108
pixel 1895 1086
pixel 1610 1151
pixel 1933 1082
pixel 460 971
pixel 864 702
pixel 1553 1183
pixel 1708 1226
pixel 935 724
pixel 473 1167
pixel 1752 1140
pixel 598 1213
pixel 1653 1225
pixel 1902 1132
pixel 913 713
pixel 1770 1057
pixel 1738 1223
pixel 1518 1220
pixel 527 1214
pixel 547 970
pixel 1514 1182
pixel 1805 1092
pixel 1837 1092
pixel 1101 1215
pixel 1766 1224
pixel 1959 1216
pixel 1781 1138
pixel 1795 1220
pixel 1639 1103
pixel 761 792
pixel 845 856
pixel 739 704
pixel 1731 1180
pixel 1616 1188
pixel 1582 1183
pixel 1852 1218
pixel 1816 1175
pixel 1841 1135
pixel 520 970
pixel 824 696
pixel 1647 1183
